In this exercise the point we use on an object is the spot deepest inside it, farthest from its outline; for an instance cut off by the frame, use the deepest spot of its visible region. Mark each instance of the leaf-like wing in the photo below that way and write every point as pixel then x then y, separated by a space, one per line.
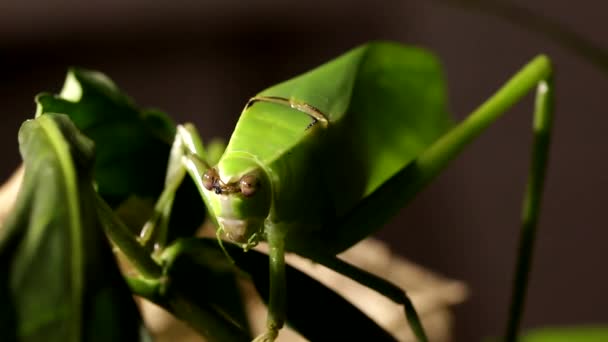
pixel 386 102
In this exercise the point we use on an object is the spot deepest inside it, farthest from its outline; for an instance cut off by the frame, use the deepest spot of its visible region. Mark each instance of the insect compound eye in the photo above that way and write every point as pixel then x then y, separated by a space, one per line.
pixel 248 185
pixel 209 179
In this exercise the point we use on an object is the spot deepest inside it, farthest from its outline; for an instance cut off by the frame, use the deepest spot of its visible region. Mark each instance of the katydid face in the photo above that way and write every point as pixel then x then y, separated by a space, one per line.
pixel 239 194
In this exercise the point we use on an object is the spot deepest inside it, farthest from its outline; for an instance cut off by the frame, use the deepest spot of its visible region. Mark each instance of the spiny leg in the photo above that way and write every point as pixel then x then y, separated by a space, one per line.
pixel 537 73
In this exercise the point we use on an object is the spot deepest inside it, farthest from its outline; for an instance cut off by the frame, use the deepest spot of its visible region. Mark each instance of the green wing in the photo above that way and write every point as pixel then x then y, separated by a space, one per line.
pixel 385 103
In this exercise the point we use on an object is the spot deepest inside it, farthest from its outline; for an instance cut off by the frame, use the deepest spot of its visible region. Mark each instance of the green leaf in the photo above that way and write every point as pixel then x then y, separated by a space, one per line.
pixel 132 147
pixel 62 282
pixel 567 334
pixel 132 144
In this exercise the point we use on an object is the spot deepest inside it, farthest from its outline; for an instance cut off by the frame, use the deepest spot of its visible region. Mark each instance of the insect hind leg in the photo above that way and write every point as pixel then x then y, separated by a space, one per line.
pixel 376 283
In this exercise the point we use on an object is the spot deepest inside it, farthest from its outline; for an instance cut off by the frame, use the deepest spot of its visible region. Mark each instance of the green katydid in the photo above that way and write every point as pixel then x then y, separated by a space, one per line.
pixel 319 162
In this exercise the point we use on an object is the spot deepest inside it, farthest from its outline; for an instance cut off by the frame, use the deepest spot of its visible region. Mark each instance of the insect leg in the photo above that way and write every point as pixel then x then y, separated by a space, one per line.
pixel 192 160
pixel 395 193
pixel 186 142
pixel 278 296
pixel 531 204
pixel 382 286
pixel 403 186
pixel 316 115
pixel 154 230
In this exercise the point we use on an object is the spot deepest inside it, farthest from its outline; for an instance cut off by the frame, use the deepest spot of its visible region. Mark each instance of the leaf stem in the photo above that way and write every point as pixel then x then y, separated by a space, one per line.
pixel 119 233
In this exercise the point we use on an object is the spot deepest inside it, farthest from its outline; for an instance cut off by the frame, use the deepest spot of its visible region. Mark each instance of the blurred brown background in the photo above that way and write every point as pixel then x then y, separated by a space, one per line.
pixel 201 60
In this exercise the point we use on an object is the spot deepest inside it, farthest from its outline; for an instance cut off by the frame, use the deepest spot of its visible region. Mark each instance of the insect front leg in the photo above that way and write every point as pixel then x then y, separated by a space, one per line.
pixel 186 143
pixel 277 310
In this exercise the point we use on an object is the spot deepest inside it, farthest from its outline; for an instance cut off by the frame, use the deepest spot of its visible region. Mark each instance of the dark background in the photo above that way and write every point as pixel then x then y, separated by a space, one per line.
pixel 201 60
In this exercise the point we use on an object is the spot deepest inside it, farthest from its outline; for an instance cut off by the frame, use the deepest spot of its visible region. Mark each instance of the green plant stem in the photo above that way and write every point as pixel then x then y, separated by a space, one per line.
pixel 214 327
pixel 205 320
pixel 125 240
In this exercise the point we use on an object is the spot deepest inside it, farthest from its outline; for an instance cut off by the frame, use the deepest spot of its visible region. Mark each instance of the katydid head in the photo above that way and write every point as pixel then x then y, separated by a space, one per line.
pixel 239 194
